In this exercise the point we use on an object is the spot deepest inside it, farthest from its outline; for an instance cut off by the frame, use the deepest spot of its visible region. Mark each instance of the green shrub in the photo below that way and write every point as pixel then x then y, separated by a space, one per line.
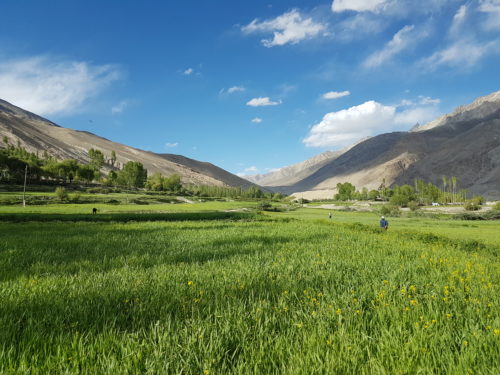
pixel 265 206
pixel 412 205
pixel 496 206
pixel 75 197
pixel 390 210
pixel 98 190
pixel 61 193
pixel 471 205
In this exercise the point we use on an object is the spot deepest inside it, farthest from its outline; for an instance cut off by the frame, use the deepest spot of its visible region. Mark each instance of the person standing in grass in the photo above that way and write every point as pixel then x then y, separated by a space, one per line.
pixel 384 223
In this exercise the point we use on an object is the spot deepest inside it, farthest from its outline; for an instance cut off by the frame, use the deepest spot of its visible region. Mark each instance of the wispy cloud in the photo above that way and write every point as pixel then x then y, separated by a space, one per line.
pixel 458 19
pixel 462 54
pixel 357 5
pixel 232 90
pixel 492 10
pixel 120 107
pixel 262 102
pixel 402 40
pixel 171 145
pixel 335 94
pixel 48 86
pixel 188 71
pixel 257 120
pixel 247 171
pixel 289 28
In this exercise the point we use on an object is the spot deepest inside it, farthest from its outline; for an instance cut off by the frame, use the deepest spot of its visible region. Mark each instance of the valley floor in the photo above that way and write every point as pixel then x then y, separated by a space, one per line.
pixel 276 293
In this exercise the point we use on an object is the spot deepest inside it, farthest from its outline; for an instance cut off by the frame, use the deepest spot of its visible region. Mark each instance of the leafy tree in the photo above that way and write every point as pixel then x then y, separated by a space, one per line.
pixel 402 195
pixel 96 159
pixel 68 169
pixel 113 158
pixel 345 191
pixel 86 173
pixel 172 183
pixel 133 174
pixel 373 194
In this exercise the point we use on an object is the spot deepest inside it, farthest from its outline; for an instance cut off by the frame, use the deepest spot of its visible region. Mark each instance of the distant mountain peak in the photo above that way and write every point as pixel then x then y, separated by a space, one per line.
pixel 482 107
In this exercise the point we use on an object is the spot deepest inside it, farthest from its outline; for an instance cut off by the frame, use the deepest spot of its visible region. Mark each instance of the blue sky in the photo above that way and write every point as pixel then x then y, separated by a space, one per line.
pixel 248 86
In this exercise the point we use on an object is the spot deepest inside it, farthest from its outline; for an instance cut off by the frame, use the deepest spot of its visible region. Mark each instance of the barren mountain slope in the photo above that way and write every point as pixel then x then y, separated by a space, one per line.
pixel 292 174
pixel 37 134
pixel 465 144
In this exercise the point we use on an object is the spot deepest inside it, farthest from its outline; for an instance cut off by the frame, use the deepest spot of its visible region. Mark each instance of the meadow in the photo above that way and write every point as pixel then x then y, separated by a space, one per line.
pixel 275 293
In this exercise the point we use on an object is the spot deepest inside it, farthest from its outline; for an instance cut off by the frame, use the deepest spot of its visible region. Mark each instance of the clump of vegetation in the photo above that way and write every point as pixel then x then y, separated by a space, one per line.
pixel 61 193
pixel 474 204
pixel 422 193
pixel 390 210
pixel 75 198
pixel 413 206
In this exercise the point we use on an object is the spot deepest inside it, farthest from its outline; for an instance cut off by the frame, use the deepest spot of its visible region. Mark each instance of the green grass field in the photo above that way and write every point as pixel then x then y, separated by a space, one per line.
pixel 284 293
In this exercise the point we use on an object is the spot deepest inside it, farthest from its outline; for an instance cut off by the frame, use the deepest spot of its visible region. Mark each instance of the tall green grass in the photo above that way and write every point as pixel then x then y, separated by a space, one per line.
pixel 251 297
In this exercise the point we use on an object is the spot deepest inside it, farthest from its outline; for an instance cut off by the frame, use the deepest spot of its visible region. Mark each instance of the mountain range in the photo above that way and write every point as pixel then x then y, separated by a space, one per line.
pixel 464 144
pixel 37 134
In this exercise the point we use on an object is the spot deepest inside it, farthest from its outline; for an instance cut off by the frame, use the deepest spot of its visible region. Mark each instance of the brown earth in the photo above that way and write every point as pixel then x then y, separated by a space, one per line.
pixel 37 134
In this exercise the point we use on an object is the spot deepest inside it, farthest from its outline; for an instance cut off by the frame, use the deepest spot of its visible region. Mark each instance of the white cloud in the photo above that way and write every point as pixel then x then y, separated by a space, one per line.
pixel 188 71
pixel 492 10
pixel 271 170
pixel 262 102
pixel 234 89
pixel 412 116
pixel 345 127
pixel 120 107
pixel 289 28
pixel 335 94
pixel 463 54
pixel 400 41
pixel 357 5
pixel 257 120
pixel 358 26
pixel 47 86
pixel 424 100
pixel 252 169
pixel 458 19
pixel 171 145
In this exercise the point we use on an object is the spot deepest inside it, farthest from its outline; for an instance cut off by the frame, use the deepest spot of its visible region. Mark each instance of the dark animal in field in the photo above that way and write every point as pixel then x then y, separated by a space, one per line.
pixel 94 210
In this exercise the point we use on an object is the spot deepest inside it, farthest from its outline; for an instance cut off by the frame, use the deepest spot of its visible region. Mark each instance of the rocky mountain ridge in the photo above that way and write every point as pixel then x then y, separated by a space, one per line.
pixel 465 144
pixel 37 134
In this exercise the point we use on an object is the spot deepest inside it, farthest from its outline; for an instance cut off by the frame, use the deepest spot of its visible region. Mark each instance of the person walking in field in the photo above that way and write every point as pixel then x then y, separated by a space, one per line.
pixel 384 223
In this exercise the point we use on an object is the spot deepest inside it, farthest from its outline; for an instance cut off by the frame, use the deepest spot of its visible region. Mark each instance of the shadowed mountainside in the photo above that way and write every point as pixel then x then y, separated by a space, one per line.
pixel 465 144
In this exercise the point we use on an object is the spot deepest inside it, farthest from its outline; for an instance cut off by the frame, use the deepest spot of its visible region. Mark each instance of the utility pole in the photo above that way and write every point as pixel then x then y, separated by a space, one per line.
pixel 24 189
